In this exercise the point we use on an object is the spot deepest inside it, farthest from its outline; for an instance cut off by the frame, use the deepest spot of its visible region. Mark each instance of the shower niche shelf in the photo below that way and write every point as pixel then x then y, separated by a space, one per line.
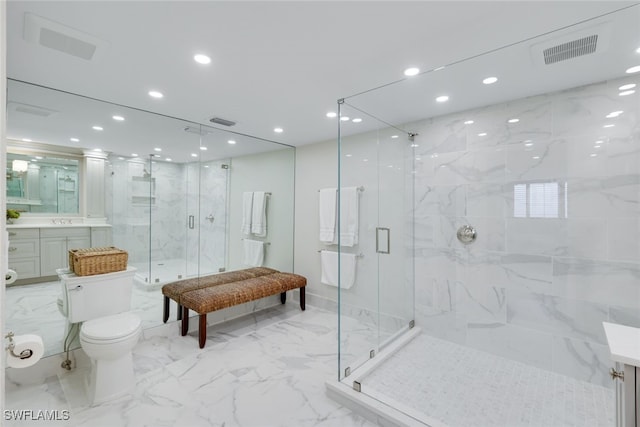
pixel 143 190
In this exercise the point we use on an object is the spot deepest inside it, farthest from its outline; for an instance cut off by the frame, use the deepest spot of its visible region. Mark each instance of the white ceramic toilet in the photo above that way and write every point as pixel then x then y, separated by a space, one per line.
pixel 108 332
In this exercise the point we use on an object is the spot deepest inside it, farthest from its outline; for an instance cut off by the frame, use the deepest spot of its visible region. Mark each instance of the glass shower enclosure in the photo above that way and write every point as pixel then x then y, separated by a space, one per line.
pixel 499 228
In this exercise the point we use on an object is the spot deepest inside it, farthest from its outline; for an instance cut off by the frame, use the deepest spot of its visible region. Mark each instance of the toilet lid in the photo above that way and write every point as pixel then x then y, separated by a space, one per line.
pixel 111 327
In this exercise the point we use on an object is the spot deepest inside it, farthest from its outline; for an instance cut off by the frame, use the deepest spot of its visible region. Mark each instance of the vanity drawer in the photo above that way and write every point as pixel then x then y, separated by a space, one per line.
pixel 23 233
pixel 24 248
pixel 65 232
pixel 26 268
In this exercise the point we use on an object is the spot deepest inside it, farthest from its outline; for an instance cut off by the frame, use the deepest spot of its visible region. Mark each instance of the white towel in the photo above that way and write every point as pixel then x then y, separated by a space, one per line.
pixel 253 253
pixel 327 205
pixel 329 263
pixel 259 214
pixel 247 211
pixel 349 213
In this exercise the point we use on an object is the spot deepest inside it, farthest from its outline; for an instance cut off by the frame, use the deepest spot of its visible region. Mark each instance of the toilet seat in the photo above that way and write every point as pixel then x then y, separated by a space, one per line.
pixel 109 329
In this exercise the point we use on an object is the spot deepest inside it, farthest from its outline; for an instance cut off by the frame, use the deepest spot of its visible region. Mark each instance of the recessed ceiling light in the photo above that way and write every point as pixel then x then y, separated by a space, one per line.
pixel 627 92
pixel 633 69
pixel 627 87
pixel 513 120
pixel 490 80
pixel 356 120
pixel 155 94
pixel 528 144
pixel 394 136
pixel 482 134
pixel 638 50
pixel 409 72
pixel 194 155
pixel 202 59
pixel 203 148
pixel 613 114
pixel 535 157
pixel 414 145
pixel 118 118
pixel 348 155
pixel 597 146
pixel 365 160
pixel 231 141
pixel 278 130
pixel 134 155
pixel 169 159
pixel 97 128
pixel 157 149
pixel 443 98
pixel 26 140
pixel 608 126
pixel 74 140
pixel 332 114
pixel 593 154
pixel 468 122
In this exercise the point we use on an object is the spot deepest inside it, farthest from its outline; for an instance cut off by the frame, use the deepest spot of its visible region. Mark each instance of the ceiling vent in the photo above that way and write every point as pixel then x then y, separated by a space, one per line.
pixel 34 110
pixel 59 37
pixel 589 42
pixel 223 122
pixel 572 49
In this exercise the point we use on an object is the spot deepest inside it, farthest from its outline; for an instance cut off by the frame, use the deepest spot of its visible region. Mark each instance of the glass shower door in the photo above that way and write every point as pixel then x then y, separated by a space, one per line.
pixel 378 303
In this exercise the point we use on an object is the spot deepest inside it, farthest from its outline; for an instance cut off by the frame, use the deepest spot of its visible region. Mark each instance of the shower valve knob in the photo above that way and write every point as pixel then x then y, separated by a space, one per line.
pixel 466 234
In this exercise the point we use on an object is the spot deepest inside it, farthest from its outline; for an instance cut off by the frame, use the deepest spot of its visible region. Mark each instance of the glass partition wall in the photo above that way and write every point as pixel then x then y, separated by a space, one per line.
pixel 517 209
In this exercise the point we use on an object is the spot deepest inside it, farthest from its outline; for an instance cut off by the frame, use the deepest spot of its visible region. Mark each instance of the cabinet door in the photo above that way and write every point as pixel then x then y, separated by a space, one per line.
pixel 53 255
pixel 78 243
pixel 100 237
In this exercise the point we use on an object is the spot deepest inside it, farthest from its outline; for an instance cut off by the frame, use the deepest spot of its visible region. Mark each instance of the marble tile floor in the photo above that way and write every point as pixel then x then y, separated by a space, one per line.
pixel 264 369
pixel 461 386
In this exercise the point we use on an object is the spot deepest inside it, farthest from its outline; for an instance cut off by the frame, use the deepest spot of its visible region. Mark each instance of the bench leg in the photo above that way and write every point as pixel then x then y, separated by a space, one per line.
pixel 283 297
pixel 179 312
pixel 185 321
pixel 165 310
pixel 302 298
pixel 202 330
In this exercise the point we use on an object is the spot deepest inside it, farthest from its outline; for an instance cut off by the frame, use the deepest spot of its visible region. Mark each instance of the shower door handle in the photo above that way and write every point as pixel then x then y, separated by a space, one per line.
pixel 383 245
pixel 192 221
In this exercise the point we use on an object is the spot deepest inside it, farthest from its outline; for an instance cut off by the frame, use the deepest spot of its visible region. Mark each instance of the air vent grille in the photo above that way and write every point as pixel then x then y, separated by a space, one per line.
pixel 572 49
pixel 223 122
pixel 30 109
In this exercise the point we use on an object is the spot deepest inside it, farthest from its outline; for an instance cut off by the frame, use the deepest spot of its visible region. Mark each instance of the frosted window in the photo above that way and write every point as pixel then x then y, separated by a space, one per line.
pixel 540 200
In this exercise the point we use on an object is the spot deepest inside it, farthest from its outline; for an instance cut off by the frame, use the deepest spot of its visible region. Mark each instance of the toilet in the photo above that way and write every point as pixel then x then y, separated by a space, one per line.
pixel 108 332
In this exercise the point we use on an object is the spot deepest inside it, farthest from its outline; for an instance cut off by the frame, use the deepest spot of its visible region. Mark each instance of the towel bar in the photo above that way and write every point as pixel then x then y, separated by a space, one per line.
pixel 360 255
pixel 361 189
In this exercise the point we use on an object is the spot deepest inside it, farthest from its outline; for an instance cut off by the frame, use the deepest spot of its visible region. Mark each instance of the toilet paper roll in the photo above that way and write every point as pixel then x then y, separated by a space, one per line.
pixel 11 277
pixel 23 343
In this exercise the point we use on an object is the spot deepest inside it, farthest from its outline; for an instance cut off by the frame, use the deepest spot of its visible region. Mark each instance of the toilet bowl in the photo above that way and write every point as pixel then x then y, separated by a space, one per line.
pixel 108 342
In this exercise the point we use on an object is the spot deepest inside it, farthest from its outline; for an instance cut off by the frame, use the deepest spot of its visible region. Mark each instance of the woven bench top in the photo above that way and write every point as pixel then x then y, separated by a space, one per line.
pixel 174 290
pixel 214 298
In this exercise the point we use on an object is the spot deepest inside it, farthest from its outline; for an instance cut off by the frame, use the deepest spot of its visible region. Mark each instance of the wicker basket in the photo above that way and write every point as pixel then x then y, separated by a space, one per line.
pixel 90 261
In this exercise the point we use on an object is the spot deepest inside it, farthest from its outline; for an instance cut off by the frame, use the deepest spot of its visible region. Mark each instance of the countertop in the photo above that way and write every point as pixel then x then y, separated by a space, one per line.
pixel 624 343
pixel 50 225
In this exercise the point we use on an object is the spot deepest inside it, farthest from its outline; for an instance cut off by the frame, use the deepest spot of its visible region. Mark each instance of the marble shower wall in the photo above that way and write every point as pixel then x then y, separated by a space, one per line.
pixel 151 214
pixel 555 199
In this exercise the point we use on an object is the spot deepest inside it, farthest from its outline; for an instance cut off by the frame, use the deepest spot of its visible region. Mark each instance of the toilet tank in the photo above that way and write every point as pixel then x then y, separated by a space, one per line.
pixel 91 297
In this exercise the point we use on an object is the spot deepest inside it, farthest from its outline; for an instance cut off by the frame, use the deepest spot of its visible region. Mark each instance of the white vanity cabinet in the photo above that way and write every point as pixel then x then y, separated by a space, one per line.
pixel 101 237
pixel 55 244
pixel 24 252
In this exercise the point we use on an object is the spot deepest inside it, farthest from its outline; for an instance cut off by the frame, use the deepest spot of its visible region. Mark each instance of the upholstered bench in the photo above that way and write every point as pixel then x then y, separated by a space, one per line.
pixel 206 300
pixel 174 290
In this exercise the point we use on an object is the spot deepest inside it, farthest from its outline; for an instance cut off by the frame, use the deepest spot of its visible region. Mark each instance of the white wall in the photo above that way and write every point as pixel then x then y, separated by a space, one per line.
pixel 270 172
pixel 3 160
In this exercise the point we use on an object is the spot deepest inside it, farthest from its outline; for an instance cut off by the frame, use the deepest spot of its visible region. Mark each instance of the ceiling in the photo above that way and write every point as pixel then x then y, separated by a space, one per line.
pixel 276 64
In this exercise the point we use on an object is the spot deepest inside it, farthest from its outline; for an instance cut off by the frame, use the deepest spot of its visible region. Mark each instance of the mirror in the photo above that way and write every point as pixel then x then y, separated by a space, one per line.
pixel 39 183
pixel 171 192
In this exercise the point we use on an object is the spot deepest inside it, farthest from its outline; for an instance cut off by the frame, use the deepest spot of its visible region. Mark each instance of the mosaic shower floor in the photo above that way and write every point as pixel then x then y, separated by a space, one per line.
pixel 460 386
